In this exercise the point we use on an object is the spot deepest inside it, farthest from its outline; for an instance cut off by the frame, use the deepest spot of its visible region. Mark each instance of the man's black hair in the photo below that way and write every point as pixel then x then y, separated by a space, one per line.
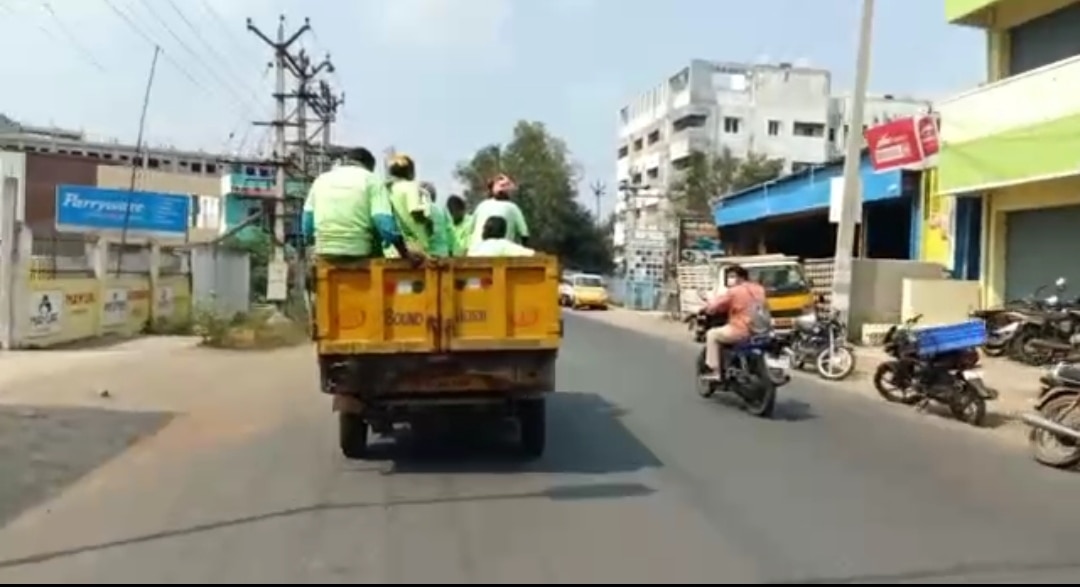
pixel 362 156
pixel 495 227
pixel 740 272
pixel 455 201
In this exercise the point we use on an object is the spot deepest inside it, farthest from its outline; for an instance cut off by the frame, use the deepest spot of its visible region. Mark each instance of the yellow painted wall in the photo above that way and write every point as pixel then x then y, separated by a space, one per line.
pixel 60 311
pixel 1029 196
pixel 937 230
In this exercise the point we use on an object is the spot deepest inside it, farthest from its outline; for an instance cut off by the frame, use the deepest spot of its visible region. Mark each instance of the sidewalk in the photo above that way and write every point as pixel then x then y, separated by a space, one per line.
pixel 1017 384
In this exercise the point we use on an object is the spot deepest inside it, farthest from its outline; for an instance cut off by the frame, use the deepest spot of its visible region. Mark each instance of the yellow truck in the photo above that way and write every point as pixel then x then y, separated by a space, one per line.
pixel 465 337
pixel 786 287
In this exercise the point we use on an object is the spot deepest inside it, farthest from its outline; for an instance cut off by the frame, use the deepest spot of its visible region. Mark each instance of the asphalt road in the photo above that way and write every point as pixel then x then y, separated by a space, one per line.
pixel 643 482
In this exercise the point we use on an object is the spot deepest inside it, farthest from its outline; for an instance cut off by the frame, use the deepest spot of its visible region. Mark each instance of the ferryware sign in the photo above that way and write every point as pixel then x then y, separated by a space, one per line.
pixel 92 209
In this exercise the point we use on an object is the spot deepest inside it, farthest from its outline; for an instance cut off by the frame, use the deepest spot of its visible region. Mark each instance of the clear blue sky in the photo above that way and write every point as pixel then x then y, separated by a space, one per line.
pixel 439 78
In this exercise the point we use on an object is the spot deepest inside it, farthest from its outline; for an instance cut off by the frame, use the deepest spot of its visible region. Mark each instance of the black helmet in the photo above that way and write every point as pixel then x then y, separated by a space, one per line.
pixel 401 166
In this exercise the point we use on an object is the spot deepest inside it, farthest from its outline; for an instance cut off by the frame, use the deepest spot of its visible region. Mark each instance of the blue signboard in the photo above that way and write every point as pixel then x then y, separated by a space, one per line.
pixel 87 208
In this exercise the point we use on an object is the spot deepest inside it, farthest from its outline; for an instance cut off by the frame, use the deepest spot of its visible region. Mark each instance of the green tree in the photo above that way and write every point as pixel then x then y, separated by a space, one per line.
pixel 705 177
pixel 547 179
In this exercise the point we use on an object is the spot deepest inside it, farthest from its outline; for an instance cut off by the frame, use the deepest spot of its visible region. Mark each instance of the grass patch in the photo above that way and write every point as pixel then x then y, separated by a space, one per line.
pixel 263 328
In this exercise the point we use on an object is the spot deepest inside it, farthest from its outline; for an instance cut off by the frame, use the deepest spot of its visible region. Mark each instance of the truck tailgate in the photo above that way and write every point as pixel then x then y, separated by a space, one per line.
pixel 376 306
pixel 500 303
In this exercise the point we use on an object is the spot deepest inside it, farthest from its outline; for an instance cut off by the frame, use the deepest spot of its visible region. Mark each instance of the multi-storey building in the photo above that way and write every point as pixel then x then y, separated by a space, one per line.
pixel 1009 147
pixel 784 111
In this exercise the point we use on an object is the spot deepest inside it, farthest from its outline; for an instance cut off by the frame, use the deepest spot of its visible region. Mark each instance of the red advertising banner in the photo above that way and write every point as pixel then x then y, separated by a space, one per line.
pixel 902 142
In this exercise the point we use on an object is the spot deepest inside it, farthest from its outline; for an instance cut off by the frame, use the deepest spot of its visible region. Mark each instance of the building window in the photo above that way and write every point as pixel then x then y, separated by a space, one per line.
pixel 196 167
pixel 808 129
pixel 211 168
pixel 691 121
pixel 639 144
pixel 635 179
pixel 732 125
pixel 774 128
pixel 654 137
pixel 653 173
pixel 154 163
pixel 623 151
pixel 832 134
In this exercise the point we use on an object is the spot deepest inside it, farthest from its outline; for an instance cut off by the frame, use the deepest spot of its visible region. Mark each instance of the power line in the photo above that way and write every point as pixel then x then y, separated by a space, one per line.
pixel 208 67
pixel 83 52
pixel 71 37
pixel 165 55
pixel 229 33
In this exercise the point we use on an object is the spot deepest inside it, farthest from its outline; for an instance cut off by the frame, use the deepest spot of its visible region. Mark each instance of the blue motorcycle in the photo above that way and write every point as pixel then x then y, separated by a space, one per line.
pixel 753 369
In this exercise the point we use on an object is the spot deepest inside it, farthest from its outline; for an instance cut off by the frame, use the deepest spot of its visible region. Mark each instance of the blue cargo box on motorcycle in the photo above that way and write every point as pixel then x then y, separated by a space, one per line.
pixel 935 340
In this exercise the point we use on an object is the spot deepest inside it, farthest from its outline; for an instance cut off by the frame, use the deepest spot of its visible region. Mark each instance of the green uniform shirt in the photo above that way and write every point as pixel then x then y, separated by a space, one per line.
pixel 349 211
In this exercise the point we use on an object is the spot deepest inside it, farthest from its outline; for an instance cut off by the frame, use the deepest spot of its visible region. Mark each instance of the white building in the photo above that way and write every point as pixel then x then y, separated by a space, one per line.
pixel 783 111
pixel 35 139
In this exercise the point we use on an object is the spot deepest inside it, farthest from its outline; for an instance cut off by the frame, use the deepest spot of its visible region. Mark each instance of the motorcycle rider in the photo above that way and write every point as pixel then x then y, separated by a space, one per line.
pixel 748 314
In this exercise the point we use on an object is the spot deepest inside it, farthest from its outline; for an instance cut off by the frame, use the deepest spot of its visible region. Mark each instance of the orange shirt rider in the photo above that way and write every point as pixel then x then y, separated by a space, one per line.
pixel 741 300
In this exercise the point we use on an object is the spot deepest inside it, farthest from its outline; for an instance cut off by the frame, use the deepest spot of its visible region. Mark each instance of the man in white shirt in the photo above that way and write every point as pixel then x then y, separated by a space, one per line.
pixel 498 204
pixel 494 242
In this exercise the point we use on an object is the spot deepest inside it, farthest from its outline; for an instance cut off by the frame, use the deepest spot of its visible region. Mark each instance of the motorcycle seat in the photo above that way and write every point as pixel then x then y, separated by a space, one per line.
pixel 754 342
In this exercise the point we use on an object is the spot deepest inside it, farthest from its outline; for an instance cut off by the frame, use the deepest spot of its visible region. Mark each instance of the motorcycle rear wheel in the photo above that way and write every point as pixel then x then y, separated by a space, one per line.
pixel 884 378
pixel 764 404
pixel 1048 448
pixel 968 406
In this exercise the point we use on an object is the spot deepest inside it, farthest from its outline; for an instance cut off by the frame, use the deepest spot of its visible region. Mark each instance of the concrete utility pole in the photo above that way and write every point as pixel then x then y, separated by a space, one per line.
pixel 289 152
pixel 851 206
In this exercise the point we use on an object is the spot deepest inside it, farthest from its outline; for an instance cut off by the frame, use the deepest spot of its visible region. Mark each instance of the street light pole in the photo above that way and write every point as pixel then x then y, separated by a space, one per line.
pixel 851 206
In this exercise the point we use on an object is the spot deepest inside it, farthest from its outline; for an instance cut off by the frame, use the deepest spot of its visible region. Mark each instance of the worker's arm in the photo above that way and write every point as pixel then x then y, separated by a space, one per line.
pixel 417 206
pixel 307 218
pixel 521 228
pixel 383 221
pixel 719 304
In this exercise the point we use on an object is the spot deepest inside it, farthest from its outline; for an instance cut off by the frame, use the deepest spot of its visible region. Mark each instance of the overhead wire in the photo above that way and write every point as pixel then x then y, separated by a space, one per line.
pixel 208 67
pixel 71 37
pixel 67 37
pixel 164 54
pixel 229 33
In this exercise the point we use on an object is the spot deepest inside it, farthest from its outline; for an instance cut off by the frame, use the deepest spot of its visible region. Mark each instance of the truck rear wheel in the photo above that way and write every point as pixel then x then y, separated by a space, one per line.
pixel 532 417
pixel 353 435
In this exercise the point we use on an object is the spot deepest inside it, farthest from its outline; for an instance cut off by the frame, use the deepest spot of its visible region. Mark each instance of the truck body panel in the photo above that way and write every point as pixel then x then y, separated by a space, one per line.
pixel 468 326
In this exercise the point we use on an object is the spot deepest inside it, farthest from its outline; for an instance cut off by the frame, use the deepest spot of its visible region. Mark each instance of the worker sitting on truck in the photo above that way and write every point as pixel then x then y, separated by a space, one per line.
pixel 494 242
pixel 348 211
pixel 498 204
pixel 461 225
pixel 412 209
pixel 441 242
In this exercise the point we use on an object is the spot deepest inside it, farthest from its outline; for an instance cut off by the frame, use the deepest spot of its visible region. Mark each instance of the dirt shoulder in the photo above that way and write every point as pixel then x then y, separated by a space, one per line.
pixel 64 414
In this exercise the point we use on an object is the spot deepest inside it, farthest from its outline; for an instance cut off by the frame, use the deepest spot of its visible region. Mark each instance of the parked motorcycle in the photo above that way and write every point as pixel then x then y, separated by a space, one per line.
pixel 753 370
pixel 1055 424
pixel 822 342
pixel 1003 324
pixel 926 368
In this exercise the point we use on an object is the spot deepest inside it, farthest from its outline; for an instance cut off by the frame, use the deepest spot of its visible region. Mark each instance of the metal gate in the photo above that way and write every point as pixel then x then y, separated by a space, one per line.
pixel 220 279
pixel 1041 245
